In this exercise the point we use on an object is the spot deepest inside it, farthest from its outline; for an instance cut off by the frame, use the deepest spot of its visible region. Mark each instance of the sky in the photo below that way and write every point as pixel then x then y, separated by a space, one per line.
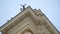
pixel 10 8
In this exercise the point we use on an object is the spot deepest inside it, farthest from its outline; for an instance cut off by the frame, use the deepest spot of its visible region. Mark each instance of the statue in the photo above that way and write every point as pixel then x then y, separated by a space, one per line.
pixel 23 6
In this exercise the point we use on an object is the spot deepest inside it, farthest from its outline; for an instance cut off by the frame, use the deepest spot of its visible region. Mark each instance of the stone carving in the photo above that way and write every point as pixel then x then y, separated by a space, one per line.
pixel 27 32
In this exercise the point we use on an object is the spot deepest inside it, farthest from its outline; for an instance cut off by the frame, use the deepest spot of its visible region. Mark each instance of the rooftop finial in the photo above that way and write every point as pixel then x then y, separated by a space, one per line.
pixel 23 6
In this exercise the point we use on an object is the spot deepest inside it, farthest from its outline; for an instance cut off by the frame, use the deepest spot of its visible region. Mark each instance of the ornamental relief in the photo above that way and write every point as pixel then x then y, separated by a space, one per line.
pixel 27 31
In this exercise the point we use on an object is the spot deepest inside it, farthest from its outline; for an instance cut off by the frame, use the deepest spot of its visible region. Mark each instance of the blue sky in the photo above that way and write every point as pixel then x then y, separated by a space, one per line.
pixel 10 8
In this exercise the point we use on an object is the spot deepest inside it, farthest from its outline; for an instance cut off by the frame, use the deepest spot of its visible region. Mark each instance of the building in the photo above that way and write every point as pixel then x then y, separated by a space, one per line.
pixel 29 21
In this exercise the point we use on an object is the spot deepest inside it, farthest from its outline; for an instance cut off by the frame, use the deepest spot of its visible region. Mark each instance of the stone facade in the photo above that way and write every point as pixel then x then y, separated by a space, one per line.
pixel 29 21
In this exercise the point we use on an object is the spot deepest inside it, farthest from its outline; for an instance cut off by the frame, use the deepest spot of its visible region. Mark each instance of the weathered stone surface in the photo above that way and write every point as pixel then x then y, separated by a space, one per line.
pixel 29 21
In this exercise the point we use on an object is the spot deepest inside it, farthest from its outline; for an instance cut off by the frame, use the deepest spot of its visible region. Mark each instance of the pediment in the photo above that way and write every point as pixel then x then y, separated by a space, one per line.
pixel 34 18
pixel 26 25
pixel 28 12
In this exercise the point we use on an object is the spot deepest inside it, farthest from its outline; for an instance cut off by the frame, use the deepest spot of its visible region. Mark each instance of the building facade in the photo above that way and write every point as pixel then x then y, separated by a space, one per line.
pixel 29 21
